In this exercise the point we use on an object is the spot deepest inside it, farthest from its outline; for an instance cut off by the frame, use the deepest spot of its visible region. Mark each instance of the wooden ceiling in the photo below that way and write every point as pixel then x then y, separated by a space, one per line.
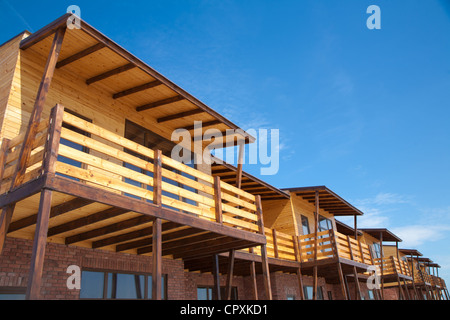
pixel 107 66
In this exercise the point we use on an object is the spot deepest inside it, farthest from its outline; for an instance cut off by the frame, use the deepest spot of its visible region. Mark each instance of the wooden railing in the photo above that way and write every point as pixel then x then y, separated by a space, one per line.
pixel 10 158
pixel 103 159
pixel 391 266
pixel 330 244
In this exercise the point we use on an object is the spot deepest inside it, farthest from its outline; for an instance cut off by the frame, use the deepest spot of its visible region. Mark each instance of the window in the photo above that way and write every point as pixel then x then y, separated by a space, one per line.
pixel 305 226
pixel 206 293
pixel 370 295
pixel 290 297
pixel 113 285
pixel 12 293
pixel 376 250
pixel 308 292
pixel 325 224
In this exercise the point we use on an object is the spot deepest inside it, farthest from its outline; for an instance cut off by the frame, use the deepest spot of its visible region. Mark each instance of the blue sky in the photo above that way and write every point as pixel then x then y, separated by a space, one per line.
pixel 364 112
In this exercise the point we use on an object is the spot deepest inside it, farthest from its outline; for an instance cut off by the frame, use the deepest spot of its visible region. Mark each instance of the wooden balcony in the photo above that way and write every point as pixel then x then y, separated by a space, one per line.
pixel 392 269
pixel 104 191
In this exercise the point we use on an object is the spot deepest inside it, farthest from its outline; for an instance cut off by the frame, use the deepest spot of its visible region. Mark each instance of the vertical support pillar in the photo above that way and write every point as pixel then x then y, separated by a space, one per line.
pixel 157 259
pixel 264 258
pixel 216 290
pixel 240 165
pixel 253 277
pixel 39 246
pixel 297 252
pixel 316 227
pixel 230 274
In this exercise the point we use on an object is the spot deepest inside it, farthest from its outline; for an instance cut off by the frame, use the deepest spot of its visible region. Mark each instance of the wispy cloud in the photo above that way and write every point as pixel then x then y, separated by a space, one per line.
pixel 384 198
pixel 417 235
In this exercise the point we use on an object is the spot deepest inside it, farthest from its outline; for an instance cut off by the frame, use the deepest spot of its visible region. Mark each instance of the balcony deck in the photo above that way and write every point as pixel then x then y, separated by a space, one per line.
pixel 99 202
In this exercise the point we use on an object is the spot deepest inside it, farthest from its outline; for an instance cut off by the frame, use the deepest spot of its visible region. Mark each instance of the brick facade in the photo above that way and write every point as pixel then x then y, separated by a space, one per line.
pixel 181 285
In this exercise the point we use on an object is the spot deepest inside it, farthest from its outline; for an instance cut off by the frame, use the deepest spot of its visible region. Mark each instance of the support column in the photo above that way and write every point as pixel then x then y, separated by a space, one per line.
pixel 316 227
pixel 264 258
pixel 39 246
pixel 157 260
pixel 230 274
pixel 253 277
pixel 216 290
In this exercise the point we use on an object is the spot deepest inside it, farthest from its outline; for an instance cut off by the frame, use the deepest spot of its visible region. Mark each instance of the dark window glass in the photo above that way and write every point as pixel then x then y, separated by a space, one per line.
pixel 12 293
pixel 305 226
pixel 206 293
pixel 92 284
pixel 308 291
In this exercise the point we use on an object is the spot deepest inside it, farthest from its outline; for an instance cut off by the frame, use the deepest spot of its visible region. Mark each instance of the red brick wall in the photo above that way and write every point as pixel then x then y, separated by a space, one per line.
pixel 16 256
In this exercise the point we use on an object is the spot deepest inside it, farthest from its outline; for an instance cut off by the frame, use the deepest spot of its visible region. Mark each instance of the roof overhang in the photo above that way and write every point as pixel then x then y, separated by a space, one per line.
pixel 346 229
pixel 381 233
pixel 101 62
pixel 328 200
pixel 411 252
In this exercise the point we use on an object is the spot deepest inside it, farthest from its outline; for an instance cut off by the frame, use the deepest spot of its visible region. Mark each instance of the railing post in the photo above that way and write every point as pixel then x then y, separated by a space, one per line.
pixel 275 244
pixel 157 178
pixel 53 141
pixel 218 199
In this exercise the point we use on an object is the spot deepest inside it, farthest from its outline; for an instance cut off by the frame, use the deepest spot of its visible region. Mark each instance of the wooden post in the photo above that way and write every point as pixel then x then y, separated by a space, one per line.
pixel 157 259
pixel 316 227
pixel 342 281
pixel 264 258
pixel 253 277
pixel 297 253
pixel 39 245
pixel 218 200
pixel 35 118
pixel 240 163
pixel 230 274
pixel 275 243
pixel 3 154
pixel 157 178
pixel 216 275
pixel 382 262
pixel 54 137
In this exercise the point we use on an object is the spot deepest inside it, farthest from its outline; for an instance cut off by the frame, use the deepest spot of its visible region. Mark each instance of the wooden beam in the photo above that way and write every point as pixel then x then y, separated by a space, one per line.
pixel 160 103
pixel 157 260
pixel 204 125
pixel 137 89
pixel 180 115
pixel 80 55
pixel 157 178
pixel 61 209
pixel 253 277
pixel 39 244
pixel 85 221
pixel 45 32
pixel 110 73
